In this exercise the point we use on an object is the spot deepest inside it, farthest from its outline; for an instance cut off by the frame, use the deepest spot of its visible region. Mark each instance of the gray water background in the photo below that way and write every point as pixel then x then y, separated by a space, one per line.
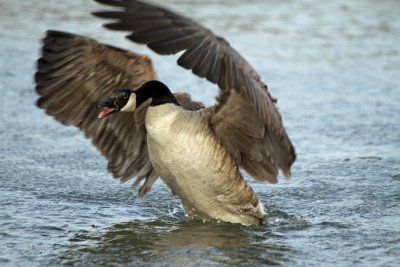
pixel 334 67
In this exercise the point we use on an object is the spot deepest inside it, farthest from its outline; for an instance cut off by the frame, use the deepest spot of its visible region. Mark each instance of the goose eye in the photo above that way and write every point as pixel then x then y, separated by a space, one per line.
pixel 124 95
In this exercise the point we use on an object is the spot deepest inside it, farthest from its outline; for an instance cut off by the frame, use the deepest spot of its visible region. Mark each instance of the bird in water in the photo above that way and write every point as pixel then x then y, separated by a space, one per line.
pixel 147 132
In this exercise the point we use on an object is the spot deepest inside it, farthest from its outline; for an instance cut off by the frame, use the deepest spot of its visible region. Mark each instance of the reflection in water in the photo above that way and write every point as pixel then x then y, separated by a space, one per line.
pixel 182 243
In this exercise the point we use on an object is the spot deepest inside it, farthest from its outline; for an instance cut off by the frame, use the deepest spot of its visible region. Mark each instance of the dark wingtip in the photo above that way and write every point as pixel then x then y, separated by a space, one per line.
pixel 111 2
pixel 40 103
pixel 114 14
pixel 55 33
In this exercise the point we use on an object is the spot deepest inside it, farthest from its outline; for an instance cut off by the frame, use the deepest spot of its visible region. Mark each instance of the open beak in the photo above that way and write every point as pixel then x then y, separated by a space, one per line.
pixel 108 108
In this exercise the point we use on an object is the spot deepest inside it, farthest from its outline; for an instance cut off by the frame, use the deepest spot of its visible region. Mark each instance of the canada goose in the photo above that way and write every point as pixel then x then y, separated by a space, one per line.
pixel 153 133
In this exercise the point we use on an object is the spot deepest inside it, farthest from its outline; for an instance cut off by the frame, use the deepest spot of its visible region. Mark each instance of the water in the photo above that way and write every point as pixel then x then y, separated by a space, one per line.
pixel 335 69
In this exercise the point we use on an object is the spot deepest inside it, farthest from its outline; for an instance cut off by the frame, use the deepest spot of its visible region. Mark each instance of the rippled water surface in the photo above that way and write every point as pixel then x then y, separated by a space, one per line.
pixel 333 65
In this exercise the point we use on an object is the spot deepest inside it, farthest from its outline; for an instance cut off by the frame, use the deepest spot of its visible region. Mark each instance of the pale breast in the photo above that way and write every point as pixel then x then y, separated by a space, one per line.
pixel 192 162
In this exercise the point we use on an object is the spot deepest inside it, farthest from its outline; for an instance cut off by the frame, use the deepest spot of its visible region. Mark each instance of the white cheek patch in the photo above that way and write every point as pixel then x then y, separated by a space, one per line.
pixel 131 105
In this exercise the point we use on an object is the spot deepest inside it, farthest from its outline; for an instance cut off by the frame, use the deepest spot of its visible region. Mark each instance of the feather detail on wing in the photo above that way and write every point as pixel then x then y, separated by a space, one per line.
pixel 73 75
pixel 256 149
pixel 246 120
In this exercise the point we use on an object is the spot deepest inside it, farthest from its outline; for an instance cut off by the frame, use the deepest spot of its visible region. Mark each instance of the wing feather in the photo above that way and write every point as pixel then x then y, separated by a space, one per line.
pixel 246 120
pixel 74 74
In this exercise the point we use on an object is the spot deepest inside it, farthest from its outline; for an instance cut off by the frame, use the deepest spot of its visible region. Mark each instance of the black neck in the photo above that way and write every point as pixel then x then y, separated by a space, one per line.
pixel 156 90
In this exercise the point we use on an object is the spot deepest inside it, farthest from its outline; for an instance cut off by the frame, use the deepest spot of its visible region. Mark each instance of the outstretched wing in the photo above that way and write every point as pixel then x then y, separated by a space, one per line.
pixel 74 74
pixel 256 148
pixel 210 56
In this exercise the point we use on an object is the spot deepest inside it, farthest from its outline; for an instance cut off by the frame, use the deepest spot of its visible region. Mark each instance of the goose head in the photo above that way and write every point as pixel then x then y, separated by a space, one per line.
pixel 128 100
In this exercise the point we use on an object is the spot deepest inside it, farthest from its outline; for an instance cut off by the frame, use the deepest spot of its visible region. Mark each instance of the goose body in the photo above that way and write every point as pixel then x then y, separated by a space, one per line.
pixel 191 161
pixel 147 132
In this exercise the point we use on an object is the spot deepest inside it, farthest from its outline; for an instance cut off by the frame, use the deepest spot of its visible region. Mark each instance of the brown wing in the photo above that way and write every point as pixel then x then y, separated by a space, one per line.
pixel 255 147
pixel 74 74
pixel 210 56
